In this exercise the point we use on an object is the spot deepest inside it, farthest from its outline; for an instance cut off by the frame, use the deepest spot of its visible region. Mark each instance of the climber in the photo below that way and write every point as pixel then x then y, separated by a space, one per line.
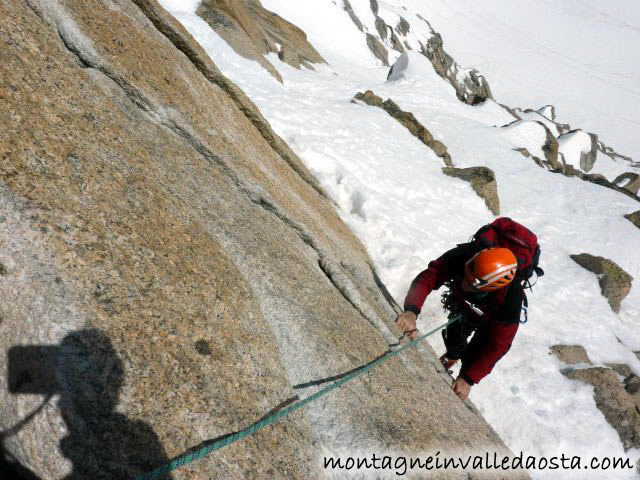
pixel 485 299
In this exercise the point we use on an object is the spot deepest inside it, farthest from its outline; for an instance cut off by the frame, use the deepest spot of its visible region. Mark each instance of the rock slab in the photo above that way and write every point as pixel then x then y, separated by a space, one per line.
pixel 173 266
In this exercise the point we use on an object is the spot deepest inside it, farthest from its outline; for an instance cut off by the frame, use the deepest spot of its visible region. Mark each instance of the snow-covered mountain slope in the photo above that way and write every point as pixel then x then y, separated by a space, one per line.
pixel 581 55
pixel 390 189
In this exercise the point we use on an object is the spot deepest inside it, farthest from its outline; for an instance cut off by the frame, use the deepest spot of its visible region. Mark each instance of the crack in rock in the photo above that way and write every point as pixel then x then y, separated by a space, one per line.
pixel 350 293
pixel 180 40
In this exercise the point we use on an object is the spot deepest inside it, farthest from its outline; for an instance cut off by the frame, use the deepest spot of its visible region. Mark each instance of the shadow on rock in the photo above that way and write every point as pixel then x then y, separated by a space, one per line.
pixel 87 374
pixel 11 469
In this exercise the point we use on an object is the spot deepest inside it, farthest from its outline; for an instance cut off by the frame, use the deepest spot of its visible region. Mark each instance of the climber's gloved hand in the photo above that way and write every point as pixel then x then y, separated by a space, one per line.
pixel 447 362
pixel 407 322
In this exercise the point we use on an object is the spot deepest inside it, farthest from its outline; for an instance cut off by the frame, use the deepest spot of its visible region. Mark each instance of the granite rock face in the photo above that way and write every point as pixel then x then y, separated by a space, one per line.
pixel 253 31
pixel 171 270
pixel 483 182
pixel 615 283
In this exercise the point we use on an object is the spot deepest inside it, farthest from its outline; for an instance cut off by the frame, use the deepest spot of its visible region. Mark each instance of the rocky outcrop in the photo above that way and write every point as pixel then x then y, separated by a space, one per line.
pixel 570 171
pixel 574 153
pixel 378 49
pixel 172 273
pixel 613 154
pixel 388 34
pixel 472 89
pixel 548 111
pixel 634 218
pixel 629 181
pixel 527 154
pixel 403 26
pixel 621 369
pixel 615 283
pixel 352 15
pixel 546 114
pixel 570 354
pixel 550 148
pixel 483 182
pixel 579 149
pixel 555 155
pixel 603 182
pixel 616 404
pixel 398 69
pixel 409 121
pixel 253 31
pixel 534 139
pixel 632 386
pixel 369 98
pixel 616 391
pixel 375 44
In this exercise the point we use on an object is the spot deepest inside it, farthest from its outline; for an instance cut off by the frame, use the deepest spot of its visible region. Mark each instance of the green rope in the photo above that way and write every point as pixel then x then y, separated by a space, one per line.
pixel 204 451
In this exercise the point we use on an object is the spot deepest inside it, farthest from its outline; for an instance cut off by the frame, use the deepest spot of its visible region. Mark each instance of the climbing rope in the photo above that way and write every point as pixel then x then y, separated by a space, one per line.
pixel 250 430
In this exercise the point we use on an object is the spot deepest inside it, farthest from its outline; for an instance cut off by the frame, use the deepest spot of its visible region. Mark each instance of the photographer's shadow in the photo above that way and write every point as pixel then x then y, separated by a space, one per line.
pixel 101 443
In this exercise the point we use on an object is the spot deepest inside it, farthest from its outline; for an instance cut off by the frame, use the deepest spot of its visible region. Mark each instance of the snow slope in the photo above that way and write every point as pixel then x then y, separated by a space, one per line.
pixel 389 188
pixel 583 56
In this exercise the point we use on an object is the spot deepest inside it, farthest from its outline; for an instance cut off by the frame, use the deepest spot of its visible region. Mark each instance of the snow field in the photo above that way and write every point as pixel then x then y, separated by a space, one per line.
pixel 583 56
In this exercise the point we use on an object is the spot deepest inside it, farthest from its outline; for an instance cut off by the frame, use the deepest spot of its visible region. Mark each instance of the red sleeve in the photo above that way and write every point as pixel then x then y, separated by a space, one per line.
pixel 438 272
pixel 428 280
pixel 495 344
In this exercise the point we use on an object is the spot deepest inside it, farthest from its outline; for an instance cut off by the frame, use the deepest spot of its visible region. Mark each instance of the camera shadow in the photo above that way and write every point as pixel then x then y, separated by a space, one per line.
pixel 86 373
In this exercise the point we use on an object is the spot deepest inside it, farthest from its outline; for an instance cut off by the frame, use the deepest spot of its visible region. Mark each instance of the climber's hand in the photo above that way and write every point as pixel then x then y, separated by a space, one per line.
pixel 407 322
pixel 447 362
pixel 461 388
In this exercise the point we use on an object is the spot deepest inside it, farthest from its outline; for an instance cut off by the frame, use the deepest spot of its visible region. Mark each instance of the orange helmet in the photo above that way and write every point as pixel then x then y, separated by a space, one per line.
pixel 491 269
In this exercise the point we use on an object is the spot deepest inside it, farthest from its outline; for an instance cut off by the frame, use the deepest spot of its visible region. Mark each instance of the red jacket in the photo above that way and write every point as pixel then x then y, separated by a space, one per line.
pixel 494 331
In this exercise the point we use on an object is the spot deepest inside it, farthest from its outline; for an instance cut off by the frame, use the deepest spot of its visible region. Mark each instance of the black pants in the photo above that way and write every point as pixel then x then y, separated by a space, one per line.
pixel 456 337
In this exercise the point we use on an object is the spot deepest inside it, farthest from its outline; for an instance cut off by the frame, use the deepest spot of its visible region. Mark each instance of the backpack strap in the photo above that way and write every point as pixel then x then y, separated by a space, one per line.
pixel 525 308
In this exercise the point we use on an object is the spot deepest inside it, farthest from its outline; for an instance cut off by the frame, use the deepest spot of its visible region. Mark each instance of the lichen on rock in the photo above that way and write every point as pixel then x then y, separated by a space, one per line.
pixel 483 182
pixel 615 283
